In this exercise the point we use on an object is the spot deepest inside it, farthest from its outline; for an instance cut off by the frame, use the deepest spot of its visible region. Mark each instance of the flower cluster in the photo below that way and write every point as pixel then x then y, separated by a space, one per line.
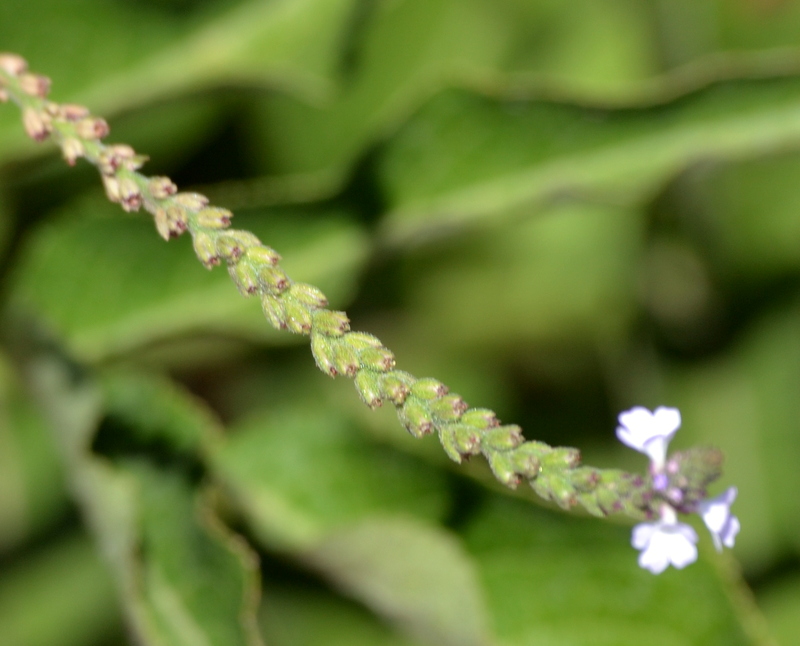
pixel 668 541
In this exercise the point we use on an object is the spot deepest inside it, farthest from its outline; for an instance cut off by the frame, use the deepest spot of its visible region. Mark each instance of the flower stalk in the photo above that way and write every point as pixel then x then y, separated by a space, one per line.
pixel 424 406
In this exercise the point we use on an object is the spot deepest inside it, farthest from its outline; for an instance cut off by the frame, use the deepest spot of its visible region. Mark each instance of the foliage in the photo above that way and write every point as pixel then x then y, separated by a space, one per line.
pixel 560 209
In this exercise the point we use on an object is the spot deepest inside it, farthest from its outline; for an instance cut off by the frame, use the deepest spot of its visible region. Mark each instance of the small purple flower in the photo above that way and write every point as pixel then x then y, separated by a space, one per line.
pixel 716 514
pixel 649 433
pixel 664 543
pixel 668 542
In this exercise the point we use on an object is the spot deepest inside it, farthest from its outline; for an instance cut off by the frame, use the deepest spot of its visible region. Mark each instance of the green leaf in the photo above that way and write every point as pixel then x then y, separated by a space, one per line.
pixel 114 55
pixel 110 285
pixel 551 579
pixel 466 158
pixel 183 578
pixel 59 595
pixel 295 615
pixel 302 471
pixel 750 211
pixel 505 288
pixel 416 575
pixel 311 486
pixel 198 580
pixel 780 600
pixel 32 492
pixel 404 48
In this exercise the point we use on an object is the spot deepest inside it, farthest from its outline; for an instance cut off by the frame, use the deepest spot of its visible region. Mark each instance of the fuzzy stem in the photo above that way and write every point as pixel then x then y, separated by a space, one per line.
pixel 424 406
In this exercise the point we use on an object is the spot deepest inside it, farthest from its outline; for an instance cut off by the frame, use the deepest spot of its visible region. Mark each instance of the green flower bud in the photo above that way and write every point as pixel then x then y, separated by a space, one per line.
pixel 378 359
pixel 588 501
pixel 92 128
pixel 554 486
pixel 361 340
pixel 584 479
pixel 298 318
pixel 415 418
pixel 368 386
pixel 503 468
pixel 323 354
pixel 231 245
pixel 205 249
pixel 273 278
pixel 13 64
pixel 429 389
pixel 213 217
pixel 345 359
pixel 448 408
pixel 244 277
pixel 162 223
pixel 608 500
pixel 274 311
pixel 34 84
pixel 331 323
pixel 37 124
pixel 263 255
pixel 459 440
pixel 161 187
pixel 308 295
pixel 481 418
pixel 72 148
pixel 191 201
pixel 72 111
pixel 561 458
pixel 129 194
pixel 501 438
pixel 396 386
pixel 525 461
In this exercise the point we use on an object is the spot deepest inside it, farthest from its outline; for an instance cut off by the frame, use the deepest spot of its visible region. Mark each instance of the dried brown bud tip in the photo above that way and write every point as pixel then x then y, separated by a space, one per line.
pixel 3 95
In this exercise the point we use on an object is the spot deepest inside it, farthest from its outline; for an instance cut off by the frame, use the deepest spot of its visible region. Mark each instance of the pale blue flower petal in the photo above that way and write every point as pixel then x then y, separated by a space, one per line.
pixel 647 432
pixel 716 514
pixel 663 544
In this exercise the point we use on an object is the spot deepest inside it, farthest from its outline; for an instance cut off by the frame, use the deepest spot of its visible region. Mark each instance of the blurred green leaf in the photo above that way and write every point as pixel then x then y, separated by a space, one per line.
pixel 550 579
pixel 506 287
pixel 750 211
pixel 110 285
pixel 781 601
pixel 294 616
pixel 359 514
pixel 59 595
pixel 32 491
pixel 417 575
pixel 465 157
pixel 115 55
pixel 183 577
pixel 301 472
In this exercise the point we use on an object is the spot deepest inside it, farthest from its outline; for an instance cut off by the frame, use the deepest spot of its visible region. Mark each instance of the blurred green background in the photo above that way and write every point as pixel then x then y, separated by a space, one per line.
pixel 560 209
